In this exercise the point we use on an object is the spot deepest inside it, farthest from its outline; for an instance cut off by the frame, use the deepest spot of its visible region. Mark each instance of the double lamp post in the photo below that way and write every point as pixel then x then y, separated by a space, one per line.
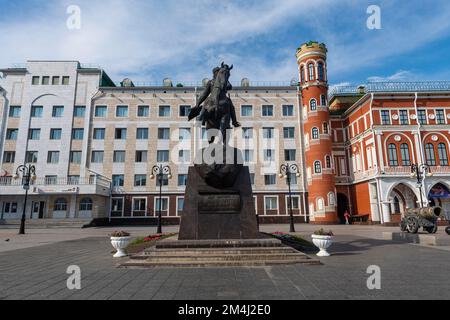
pixel 28 175
pixel 158 173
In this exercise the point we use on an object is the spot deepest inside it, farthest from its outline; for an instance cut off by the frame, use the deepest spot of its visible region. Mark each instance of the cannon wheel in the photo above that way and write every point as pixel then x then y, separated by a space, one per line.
pixel 431 230
pixel 412 225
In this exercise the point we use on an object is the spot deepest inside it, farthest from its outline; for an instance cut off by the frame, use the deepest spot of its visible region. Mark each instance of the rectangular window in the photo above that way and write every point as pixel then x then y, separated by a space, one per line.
pixel 269 155
pixel 270 179
pixel 122 111
pixel 293 178
pixel 140 180
pixel 271 203
pixel 119 157
pixel 246 111
pixel 252 178
pixel 120 134
pixel 36 111
pixel 9 157
pixel 73 180
pixel 118 180
pixel 180 204
pixel 164 111
pixel 163 133
pixel 440 117
pixel 184 156
pixel 289 133
pixel 141 156
pixel 164 204
pixel 35 81
pixel 75 157
pixel 58 112
pixel 55 134
pixel 10 207
pixel 288 110
pixel 45 80
pixel 142 134
pixel 267 111
pixel 185 134
pixel 165 181
pixel 247 133
pixel 182 180
pixel 79 111
pixel 422 117
pixel 139 205
pixel 77 134
pixel 248 156
pixel 51 180
pixel 99 134
pixel 55 81
pixel 34 134
pixel 14 111
pixel 184 111
pixel 53 157
pixel 11 134
pixel 290 155
pixel 163 156
pixel 385 117
pixel 268 133
pixel 65 80
pixel 101 111
pixel 97 157
pixel 143 111
pixel 403 117
pixel 31 157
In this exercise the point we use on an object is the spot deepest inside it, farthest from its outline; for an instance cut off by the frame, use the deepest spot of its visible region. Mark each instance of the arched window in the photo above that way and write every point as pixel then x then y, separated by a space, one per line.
pixel 311 71
pixel 328 162
pixel 393 158
pixel 320 204
pixel 302 74
pixel 429 153
pixel 315 133
pixel 313 105
pixel 321 71
pixel 60 204
pixel 86 204
pixel 317 167
pixel 325 128
pixel 396 205
pixel 404 150
pixel 331 199
pixel 443 156
pixel 323 100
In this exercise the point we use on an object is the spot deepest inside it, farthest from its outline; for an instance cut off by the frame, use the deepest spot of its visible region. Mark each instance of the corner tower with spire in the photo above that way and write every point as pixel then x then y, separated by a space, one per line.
pixel 312 62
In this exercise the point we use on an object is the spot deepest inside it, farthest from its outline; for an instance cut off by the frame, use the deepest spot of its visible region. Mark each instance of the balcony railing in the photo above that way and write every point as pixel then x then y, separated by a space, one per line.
pixel 398 86
pixel 200 84
pixel 407 170
pixel 10 182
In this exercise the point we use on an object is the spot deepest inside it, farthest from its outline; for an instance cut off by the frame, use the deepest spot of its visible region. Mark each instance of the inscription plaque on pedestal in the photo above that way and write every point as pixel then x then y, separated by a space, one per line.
pixel 211 214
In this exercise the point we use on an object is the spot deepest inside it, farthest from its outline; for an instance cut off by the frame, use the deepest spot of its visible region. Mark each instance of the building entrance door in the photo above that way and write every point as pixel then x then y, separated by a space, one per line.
pixel 38 210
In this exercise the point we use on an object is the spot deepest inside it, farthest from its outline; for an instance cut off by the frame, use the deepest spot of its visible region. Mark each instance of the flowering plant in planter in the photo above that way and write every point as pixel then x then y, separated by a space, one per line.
pixel 120 241
pixel 322 232
pixel 323 240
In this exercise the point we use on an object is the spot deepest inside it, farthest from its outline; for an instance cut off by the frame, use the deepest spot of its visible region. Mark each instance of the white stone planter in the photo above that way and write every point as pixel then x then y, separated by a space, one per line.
pixel 323 243
pixel 120 244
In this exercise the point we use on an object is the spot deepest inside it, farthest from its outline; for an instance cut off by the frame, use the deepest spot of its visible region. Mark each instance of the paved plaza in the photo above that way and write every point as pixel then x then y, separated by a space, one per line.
pixel 34 267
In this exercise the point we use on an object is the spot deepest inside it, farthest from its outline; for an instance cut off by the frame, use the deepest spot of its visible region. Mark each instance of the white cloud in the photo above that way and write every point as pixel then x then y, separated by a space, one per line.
pixel 133 36
pixel 398 76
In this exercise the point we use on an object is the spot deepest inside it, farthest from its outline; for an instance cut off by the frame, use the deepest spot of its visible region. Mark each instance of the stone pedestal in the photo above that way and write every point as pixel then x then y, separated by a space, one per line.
pixel 212 213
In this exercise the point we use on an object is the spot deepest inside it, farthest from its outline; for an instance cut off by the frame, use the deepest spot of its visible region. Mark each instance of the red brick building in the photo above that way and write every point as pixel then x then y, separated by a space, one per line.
pixel 375 133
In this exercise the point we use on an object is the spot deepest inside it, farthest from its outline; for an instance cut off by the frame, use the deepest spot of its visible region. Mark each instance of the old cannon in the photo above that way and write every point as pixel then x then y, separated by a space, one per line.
pixel 426 218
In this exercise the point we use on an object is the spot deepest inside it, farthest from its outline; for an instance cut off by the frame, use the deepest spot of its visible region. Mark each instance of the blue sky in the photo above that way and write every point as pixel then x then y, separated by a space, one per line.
pixel 150 40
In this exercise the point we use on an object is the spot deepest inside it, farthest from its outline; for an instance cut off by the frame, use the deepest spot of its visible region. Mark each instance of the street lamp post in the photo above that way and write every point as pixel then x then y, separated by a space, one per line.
pixel 285 172
pixel 158 172
pixel 419 172
pixel 28 174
